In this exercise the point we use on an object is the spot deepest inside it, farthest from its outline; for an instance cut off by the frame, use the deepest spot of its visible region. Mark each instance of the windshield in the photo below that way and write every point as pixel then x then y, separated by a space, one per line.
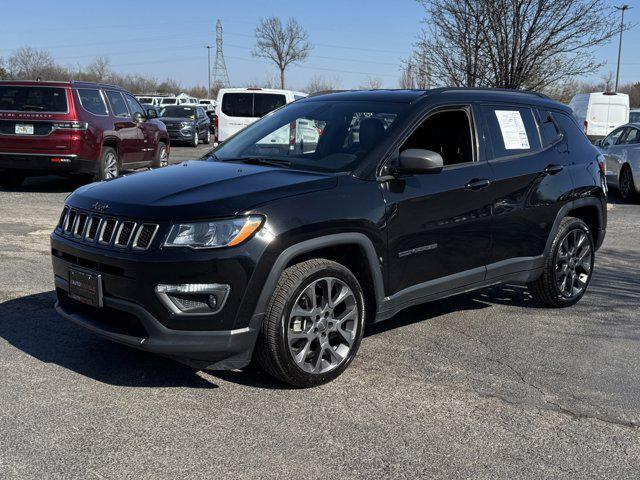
pixel 33 99
pixel 634 117
pixel 168 101
pixel 178 112
pixel 331 136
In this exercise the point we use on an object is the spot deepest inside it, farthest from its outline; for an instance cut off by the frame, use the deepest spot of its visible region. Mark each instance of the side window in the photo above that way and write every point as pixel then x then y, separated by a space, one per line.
pixel 549 130
pixel 632 137
pixel 512 130
pixel 92 101
pixel 134 106
pixel 613 138
pixel 447 133
pixel 118 105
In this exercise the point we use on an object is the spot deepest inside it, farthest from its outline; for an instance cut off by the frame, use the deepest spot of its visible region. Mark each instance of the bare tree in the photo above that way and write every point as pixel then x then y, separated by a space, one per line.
pixel 371 84
pixel 318 83
pixel 283 44
pixel 513 43
pixel 30 63
pixel 415 73
pixel 100 69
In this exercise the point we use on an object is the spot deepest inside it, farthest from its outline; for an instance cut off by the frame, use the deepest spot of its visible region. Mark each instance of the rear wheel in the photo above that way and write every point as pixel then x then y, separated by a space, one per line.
pixel 162 156
pixel 313 325
pixel 627 188
pixel 10 179
pixel 108 167
pixel 568 268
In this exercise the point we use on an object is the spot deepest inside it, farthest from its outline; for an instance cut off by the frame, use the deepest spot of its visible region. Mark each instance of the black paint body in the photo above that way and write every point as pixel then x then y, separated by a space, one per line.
pixel 417 237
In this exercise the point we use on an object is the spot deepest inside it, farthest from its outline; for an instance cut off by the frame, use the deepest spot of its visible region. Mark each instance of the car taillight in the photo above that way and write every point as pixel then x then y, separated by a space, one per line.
pixel 586 125
pixel 602 164
pixel 215 121
pixel 292 133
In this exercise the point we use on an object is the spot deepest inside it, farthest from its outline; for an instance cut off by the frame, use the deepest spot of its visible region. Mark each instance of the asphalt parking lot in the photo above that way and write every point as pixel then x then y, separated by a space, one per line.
pixel 482 385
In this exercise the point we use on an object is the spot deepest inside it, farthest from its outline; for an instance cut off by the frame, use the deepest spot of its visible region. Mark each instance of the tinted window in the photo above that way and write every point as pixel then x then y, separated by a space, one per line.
pixel 572 133
pixel 632 137
pixel 92 101
pixel 178 112
pixel 33 99
pixel 118 105
pixel 237 104
pixel 613 138
pixel 447 133
pixel 264 103
pixel 322 136
pixel 134 106
pixel 634 117
pixel 549 130
pixel 512 130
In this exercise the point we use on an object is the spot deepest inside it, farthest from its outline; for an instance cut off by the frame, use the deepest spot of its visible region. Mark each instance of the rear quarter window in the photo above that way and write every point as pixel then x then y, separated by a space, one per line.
pixel 512 130
pixel 33 99
pixel 264 103
pixel 92 101
pixel 572 133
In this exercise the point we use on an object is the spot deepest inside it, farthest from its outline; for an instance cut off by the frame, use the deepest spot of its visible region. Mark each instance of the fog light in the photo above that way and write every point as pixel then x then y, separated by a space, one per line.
pixel 193 298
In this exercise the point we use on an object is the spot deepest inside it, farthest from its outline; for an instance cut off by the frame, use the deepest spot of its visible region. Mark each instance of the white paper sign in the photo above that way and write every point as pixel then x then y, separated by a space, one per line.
pixel 514 134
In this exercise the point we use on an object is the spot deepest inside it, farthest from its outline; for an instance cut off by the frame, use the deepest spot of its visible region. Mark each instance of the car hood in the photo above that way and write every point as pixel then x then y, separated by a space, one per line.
pixel 196 190
pixel 175 119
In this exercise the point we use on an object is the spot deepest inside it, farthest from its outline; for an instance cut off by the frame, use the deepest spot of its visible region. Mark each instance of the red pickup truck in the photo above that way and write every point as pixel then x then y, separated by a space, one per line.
pixel 72 128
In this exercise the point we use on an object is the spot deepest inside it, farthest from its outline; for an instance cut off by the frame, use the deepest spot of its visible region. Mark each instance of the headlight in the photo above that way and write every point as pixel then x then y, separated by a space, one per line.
pixel 222 233
pixel 185 124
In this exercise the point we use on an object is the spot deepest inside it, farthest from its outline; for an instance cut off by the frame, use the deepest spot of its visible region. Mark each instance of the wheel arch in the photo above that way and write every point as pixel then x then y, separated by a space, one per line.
pixel 590 211
pixel 353 250
pixel 112 142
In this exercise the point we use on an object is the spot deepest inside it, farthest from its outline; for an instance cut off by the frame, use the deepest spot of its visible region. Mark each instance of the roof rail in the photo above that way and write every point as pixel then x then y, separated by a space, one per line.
pixel 488 89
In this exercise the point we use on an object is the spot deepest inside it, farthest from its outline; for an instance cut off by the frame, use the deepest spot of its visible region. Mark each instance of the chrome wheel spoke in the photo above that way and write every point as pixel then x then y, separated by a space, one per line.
pixel 323 325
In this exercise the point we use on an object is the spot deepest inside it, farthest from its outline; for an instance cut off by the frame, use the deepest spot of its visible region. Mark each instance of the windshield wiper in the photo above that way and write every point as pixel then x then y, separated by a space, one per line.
pixel 264 161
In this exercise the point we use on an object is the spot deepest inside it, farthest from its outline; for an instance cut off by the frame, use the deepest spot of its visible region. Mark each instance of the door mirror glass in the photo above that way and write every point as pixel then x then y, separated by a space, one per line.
pixel 419 161
pixel 152 113
pixel 139 117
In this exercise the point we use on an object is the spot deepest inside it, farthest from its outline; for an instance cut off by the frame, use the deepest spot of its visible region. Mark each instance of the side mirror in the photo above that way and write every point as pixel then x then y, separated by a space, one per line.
pixel 418 161
pixel 139 117
pixel 152 113
pixel 598 143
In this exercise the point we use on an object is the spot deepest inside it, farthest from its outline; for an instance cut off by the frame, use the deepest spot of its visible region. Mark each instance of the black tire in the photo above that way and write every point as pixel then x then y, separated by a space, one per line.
pixel 627 188
pixel 207 137
pixel 546 289
pixel 162 157
pixel 105 165
pixel 9 179
pixel 272 348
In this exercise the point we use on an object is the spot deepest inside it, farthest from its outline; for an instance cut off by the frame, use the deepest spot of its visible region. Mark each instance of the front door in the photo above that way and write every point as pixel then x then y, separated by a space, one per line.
pixel 439 224
pixel 130 146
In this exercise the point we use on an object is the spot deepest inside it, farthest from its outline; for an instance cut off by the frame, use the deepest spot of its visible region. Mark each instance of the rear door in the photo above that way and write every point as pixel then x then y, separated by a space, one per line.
pixel 530 179
pixel 33 118
pixel 130 138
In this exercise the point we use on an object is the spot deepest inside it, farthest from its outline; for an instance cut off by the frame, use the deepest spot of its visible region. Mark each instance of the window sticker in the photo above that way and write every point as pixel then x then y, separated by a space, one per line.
pixel 514 134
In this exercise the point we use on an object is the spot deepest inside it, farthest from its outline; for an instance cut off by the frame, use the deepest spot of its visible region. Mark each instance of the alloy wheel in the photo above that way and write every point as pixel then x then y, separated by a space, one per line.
pixel 574 263
pixel 322 325
pixel 164 157
pixel 626 184
pixel 110 166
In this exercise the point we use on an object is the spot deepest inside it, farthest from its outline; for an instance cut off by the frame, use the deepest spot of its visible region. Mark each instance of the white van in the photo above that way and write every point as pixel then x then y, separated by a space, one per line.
pixel 600 113
pixel 238 108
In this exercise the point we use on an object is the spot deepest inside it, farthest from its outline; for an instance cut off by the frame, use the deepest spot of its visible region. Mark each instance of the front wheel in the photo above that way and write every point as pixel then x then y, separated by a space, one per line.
pixel 196 139
pixel 313 325
pixel 162 156
pixel 569 266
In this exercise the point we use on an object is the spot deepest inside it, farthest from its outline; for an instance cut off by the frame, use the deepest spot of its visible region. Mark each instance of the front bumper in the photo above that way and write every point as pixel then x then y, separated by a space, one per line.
pixel 181 135
pixel 46 163
pixel 133 315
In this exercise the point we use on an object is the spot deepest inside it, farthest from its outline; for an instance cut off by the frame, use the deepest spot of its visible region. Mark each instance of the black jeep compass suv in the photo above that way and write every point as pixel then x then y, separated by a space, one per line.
pixel 284 246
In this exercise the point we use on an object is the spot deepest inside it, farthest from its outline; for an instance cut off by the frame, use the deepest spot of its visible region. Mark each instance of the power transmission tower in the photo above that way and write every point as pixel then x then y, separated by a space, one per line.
pixel 220 74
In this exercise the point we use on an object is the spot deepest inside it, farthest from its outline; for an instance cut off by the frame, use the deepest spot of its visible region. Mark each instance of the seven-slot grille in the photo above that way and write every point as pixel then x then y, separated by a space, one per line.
pixel 107 231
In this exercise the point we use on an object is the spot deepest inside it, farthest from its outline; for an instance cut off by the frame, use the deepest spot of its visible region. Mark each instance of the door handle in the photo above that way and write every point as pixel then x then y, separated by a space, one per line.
pixel 477 184
pixel 552 169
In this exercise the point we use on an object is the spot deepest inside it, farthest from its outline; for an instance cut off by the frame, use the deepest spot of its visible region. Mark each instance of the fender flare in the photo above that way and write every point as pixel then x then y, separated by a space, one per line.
pixel 568 207
pixel 289 253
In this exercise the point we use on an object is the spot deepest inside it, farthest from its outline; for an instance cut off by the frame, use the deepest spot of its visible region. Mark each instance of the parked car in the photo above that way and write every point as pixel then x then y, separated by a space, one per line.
pixel 600 113
pixel 239 107
pixel 284 255
pixel 168 101
pixel 148 100
pixel 634 115
pixel 186 124
pixel 621 149
pixel 75 128
pixel 208 104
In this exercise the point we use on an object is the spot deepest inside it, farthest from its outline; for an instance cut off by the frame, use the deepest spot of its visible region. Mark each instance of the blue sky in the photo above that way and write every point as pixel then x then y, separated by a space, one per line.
pixel 353 39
